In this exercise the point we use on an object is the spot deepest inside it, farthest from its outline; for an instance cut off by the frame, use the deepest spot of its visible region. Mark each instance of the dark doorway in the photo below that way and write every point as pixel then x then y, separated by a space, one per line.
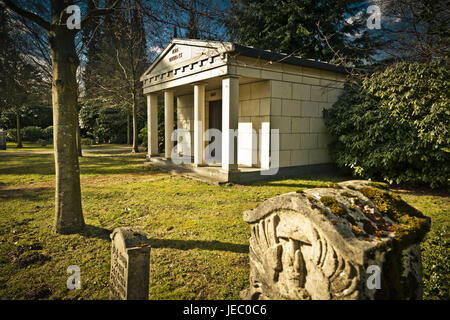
pixel 215 119
pixel 215 115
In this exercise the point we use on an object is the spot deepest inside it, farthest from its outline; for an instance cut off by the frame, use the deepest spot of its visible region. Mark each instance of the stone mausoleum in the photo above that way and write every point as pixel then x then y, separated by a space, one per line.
pixel 268 107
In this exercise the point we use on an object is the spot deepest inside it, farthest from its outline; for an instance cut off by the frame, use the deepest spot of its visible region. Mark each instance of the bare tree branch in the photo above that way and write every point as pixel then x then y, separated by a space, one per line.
pixel 29 15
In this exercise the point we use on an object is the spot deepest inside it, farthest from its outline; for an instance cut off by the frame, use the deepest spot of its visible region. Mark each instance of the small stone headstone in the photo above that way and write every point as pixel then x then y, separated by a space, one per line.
pixel 130 264
pixel 350 241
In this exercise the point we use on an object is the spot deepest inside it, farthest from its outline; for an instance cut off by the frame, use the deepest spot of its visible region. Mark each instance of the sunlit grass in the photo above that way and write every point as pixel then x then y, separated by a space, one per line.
pixel 199 239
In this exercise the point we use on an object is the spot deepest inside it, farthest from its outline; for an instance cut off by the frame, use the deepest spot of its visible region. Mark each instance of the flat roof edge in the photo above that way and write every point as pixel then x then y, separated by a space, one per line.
pixel 282 58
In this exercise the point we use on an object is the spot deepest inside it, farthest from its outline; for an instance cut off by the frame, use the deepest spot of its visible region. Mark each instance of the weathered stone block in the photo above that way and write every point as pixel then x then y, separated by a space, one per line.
pixel 299 157
pixel 249 108
pixel 319 94
pixel 291 108
pixel 308 141
pixel 290 141
pixel 292 77
pixel 284 158
pixel 283 124
pixel 260 90
pixel 273 75
pixel 301 91
pixel 321 243
pixel 310 109
pixel 324 140
pixel 130 264
pixel 333 94
pixel 311 80
pixel 244 92
pixel 317 125
pixel 281 89
pixel 318 156
pixel 300 125
pixel 275 107
pixel 264 107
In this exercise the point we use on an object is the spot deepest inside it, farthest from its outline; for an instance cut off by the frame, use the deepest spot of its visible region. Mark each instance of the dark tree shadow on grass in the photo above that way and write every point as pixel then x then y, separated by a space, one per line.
pixel 199 244
pixel 90 231
pixel 26 194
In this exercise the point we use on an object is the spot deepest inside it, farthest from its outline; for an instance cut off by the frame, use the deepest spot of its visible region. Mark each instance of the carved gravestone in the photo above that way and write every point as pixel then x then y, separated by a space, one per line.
pixel 321 244
pixel 130 264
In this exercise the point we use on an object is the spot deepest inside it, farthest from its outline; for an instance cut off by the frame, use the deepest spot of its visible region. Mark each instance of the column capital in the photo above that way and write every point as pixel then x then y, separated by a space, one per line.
pixel 200 84
pixel 233 76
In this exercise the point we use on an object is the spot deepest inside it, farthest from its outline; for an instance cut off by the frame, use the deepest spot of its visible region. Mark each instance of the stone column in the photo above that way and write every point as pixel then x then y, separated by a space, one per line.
pixel 152 125
pixel 168 123
pixel 199 123
pixel 230 115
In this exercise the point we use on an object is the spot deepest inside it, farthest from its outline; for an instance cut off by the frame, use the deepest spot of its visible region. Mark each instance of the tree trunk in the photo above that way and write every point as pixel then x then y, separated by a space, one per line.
pixel 68 209
pixel 128 130
pixel 18 131
pixel 79 148
pixel 135 148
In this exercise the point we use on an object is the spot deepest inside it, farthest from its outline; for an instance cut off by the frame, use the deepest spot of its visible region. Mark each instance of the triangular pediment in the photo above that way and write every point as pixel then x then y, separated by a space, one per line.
pixel 182 51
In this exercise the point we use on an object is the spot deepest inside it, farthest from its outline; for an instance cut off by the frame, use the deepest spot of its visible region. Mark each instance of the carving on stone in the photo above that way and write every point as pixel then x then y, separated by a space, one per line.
pixel 298 263
pixel 301 248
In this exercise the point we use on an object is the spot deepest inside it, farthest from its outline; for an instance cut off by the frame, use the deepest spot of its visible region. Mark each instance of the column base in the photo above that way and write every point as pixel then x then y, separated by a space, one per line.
pixel 231 169
pixel 149 157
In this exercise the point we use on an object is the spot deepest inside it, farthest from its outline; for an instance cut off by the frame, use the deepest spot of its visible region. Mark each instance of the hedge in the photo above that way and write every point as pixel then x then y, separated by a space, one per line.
pixel 394 125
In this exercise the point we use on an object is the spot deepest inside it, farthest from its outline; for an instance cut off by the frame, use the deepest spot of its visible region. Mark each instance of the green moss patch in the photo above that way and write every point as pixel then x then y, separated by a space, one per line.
pixel 334 206
pixel 333 185
pixel 413 225
pixel 379 185
pixel 347 194
pixel 336 209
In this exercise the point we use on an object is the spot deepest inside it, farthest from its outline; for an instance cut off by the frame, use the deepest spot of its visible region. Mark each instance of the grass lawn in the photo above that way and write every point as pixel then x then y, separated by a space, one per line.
pixel 199 240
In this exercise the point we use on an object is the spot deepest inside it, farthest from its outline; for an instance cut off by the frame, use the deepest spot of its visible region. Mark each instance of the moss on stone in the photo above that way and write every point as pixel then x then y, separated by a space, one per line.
pixel 333 185
pixel 379 185
pixel 336 209
pixel 413 225
pixel 347 194
pixel 369 228
pixel 334 206
pixel 357 231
